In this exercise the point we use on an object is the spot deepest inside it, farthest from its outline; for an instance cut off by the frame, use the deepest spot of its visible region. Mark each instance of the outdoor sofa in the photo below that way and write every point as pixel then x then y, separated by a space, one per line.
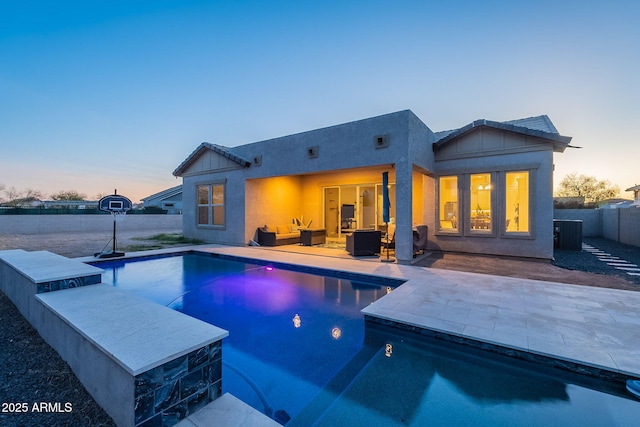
pixel 277 235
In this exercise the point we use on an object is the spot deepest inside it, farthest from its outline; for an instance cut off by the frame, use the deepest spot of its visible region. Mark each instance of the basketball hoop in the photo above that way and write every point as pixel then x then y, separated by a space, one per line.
pixel 119 216
pixel 117 206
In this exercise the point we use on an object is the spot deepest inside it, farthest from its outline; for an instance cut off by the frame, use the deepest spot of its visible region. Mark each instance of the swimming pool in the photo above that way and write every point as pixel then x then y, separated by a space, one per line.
pixel 298 344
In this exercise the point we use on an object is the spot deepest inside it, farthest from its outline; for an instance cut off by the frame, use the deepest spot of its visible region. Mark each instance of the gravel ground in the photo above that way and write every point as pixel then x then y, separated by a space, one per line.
pixel 32 372
pixel 575 267
pixel 584 261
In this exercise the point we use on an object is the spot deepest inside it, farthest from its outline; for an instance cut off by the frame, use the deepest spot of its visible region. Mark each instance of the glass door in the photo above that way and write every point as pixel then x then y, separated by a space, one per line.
pixel 367 207
pixel 331 211
pixel 351 207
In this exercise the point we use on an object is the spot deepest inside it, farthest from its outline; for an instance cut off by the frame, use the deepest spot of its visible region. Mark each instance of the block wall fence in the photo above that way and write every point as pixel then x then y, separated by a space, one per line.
pixel 43 224
pixel 619 225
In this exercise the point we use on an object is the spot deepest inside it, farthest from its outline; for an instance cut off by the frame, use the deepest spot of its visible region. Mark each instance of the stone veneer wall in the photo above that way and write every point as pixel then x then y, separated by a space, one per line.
pixel 20 288
pixel 170 392
pixel 70 283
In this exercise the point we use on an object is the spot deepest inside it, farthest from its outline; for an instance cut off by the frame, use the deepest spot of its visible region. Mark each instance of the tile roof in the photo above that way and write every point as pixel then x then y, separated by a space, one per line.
pixel 542 123
pixel 218 149
pixel 539 127
pixel 169 192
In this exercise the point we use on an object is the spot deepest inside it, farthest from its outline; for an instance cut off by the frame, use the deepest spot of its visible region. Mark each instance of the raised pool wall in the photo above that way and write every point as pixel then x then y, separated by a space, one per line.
pixel 141 362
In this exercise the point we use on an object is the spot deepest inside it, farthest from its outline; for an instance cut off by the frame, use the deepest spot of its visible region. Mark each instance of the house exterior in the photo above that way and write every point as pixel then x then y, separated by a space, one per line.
pixel 615 203
pixel 483 188
pixel 170 200
pixel 70 204
pixel 636 194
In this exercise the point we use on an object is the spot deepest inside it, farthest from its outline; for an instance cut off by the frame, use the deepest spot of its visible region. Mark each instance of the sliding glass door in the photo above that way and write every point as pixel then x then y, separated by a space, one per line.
pixel 351 207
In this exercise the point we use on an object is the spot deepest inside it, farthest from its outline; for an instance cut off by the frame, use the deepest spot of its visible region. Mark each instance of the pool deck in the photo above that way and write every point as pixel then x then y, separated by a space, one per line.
pixel 597 328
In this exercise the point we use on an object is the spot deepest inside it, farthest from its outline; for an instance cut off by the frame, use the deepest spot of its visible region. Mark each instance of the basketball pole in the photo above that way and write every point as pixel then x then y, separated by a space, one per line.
pixel 116 205
pixel 113 251
pixel 114 232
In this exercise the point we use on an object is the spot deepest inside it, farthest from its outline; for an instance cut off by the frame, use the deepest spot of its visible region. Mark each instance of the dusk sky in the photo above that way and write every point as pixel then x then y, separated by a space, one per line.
pixel 98 95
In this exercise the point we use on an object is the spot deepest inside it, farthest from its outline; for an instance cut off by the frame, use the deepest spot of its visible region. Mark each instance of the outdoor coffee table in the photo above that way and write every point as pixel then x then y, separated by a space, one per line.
pixel 313 236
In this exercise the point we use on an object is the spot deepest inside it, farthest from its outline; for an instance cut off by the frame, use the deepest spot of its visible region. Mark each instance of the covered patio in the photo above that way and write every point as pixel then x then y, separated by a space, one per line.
pixel 338 202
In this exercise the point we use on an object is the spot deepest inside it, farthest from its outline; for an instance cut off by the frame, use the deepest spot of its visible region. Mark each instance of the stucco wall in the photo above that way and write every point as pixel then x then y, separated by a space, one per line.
pixel 233 231
pixel 347 147
pixel 630 226
pixel 407 151
pixel 609 223
pixel 40 224
pixel 592 221
pixel 273 201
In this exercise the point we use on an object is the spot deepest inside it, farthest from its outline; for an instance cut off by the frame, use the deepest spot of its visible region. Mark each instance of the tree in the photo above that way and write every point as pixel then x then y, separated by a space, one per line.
pixel 68 195
pixel 16 198
pixel 587 187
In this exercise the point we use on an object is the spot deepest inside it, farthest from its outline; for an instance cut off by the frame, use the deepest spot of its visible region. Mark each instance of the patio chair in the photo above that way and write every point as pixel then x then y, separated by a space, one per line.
pixel 391 231
pixel 364 242
pixel 420 239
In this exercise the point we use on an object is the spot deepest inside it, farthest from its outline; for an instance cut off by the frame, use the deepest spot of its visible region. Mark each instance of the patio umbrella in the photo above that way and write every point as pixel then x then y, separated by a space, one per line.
pixel 386 203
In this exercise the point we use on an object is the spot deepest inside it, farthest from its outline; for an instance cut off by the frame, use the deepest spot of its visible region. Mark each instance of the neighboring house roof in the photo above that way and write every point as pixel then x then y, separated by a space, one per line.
pixel 218 149
pixel 170 192
pixel 616 203
pixel 538 127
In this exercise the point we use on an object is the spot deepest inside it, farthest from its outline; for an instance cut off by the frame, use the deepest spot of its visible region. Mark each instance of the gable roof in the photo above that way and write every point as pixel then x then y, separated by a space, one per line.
pixel 542 123
pixel 218 149
pixel 538 127
pixel 169 192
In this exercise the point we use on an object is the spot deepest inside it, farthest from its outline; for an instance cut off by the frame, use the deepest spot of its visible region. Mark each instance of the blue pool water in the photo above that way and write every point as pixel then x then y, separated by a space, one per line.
pixel 297 344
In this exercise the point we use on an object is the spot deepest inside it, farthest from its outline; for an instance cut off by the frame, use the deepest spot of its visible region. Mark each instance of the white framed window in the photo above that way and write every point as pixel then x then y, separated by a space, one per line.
pixel 480 203
pixel 517 205
pixel 211 204
pixel 448 213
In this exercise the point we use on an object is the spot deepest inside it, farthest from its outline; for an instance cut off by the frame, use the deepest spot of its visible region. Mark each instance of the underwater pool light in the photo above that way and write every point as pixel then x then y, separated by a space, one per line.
pixel 336 333
pixel 269 268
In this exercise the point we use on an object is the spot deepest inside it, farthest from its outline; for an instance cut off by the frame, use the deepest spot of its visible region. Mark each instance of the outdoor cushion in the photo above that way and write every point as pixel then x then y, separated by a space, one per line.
pixel 288 235
pixel 283 229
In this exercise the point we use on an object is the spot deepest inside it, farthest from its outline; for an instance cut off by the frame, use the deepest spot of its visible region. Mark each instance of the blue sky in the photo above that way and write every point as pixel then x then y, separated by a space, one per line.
pixel 97 95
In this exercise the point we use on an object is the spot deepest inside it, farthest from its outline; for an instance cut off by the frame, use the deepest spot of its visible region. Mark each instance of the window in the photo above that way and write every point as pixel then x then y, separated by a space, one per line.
pixel 211 204
pixel 448 203
pixel 480 202
pixel 517 202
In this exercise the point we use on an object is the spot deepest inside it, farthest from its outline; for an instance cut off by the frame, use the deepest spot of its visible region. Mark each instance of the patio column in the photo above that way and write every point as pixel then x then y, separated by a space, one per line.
pixel 404 212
